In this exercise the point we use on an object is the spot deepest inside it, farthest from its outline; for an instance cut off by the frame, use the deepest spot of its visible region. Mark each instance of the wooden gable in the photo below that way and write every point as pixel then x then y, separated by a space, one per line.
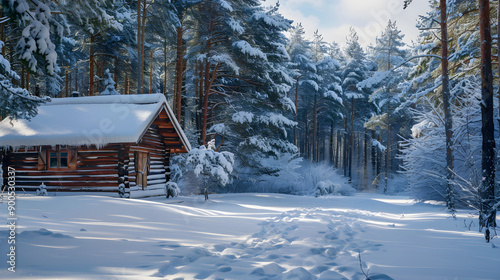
pixel 166 129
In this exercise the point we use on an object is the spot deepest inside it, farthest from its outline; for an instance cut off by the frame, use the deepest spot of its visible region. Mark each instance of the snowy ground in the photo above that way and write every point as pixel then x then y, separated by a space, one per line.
pixel 244 236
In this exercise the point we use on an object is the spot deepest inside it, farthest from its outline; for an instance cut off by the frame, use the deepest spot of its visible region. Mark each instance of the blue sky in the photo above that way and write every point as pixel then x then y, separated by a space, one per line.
pixel 369 17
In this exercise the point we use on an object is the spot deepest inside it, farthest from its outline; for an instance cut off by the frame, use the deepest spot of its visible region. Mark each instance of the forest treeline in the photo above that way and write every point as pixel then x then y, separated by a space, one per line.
pixel 237 83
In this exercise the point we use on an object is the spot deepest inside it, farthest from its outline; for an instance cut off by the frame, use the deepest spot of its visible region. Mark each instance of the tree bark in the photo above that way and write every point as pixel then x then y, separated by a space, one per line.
pixel 295 139
pixel 165 67
pixel 151 73
pixel 374 155
pixel 66 81
pixel 139 46
pixel 179 69
pixel 498 54
pixel 344 148
pixel 365 159
pixel 331 153
pixel 448 123
pixel 351 139
pixel 76 78
pixel 91 66
pixel 143 27
pixel 487 216
pixel 379 155
pixel 387 156
pixel 315 131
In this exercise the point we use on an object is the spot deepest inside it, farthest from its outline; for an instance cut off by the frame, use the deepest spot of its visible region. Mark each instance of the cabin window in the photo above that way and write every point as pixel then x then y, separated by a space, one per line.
pixel 58 159
pixel 61 158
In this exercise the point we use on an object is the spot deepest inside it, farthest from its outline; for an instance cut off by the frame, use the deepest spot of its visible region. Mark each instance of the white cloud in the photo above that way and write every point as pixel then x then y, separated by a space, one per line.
pixel 368 17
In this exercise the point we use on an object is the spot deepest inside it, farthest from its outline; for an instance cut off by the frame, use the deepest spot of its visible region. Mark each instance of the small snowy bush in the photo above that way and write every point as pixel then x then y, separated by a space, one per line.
pixel 323 174
pixel 296 176
pixel 328 187
pixel 214 168
pixel 171 189
pixel 42 190
pixel 109 84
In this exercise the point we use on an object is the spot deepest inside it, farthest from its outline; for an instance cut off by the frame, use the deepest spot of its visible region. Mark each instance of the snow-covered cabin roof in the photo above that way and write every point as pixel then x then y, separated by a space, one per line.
pixel 85 121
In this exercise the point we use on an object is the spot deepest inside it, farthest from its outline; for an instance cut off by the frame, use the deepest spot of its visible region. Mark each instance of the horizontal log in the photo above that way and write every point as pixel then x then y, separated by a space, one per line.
pixel 96 165
pixel 98 156
pixel 67 189
pixel 55 174
pixel 90 179
pixel 169 135
pixel 147 149
pixel 50 184
pixel 171 126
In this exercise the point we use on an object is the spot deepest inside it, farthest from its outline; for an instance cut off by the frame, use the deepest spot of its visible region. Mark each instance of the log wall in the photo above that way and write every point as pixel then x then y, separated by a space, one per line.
pixel 152 143
pixel 96 170
pixel 103 169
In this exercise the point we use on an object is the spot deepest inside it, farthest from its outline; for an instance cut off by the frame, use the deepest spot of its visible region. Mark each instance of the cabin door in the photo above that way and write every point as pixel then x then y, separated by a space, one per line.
pixel 142 169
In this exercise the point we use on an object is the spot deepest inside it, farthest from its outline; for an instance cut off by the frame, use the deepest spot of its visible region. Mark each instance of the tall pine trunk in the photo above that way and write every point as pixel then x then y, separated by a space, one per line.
pixel 374 155
pixel 91 66
pixel 448 124
pixel 139 46
pixel 179 69
pixel 331 153
pixel 143 42
pixel 487 217
pixel 351 139
pixel 295 139
pixel 315 131
pixel 365 159
pixel 387 156
pixel 344 148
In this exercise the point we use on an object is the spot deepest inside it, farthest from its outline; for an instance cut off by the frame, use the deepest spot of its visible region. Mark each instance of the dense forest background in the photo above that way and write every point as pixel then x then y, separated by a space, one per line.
pixel 243 79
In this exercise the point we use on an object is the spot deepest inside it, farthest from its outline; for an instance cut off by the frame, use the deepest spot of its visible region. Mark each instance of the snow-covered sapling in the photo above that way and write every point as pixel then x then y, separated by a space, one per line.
pixel 328 187
pixel 214 167
pixel 171 189
pixel 42 190
pixel 109 84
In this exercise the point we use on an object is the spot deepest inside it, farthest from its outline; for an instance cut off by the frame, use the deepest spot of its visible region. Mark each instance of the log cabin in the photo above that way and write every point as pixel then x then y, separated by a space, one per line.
pixel 117 143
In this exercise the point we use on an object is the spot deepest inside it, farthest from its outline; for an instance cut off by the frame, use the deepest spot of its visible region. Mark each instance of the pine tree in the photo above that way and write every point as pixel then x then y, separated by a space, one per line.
pixel 34 48
pixel 303 65
pixel 109 84
pixel 355 99
pixel 487 215
pixel 388 53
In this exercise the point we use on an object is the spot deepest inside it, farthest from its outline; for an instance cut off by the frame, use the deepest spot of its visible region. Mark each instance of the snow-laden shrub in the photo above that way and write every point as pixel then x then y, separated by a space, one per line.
pixel 424 157
pixel 42 190
pixel 171 189
pixel 321 172
pixel 277 174
pixel 109 84
pixel 214 169
pixel 296 176
pixel 329 188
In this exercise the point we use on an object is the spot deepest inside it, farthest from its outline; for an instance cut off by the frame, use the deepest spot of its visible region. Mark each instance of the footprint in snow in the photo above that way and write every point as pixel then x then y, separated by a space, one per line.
pixel 299 273
pixel 268 270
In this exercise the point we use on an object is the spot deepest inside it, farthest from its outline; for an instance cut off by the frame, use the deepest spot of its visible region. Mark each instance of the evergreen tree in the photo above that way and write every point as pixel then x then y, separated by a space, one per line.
pixel 260 109
pixel 303 67
pixel 389 54
pixel 355 99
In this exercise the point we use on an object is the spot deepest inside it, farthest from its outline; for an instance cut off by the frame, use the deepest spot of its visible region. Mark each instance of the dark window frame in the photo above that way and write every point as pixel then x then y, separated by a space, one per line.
pixel 58 151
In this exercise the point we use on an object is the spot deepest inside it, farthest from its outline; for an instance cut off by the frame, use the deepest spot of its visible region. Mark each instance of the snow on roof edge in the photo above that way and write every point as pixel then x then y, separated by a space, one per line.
pixel 178 127
pixel 109 99
pixel 157 100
